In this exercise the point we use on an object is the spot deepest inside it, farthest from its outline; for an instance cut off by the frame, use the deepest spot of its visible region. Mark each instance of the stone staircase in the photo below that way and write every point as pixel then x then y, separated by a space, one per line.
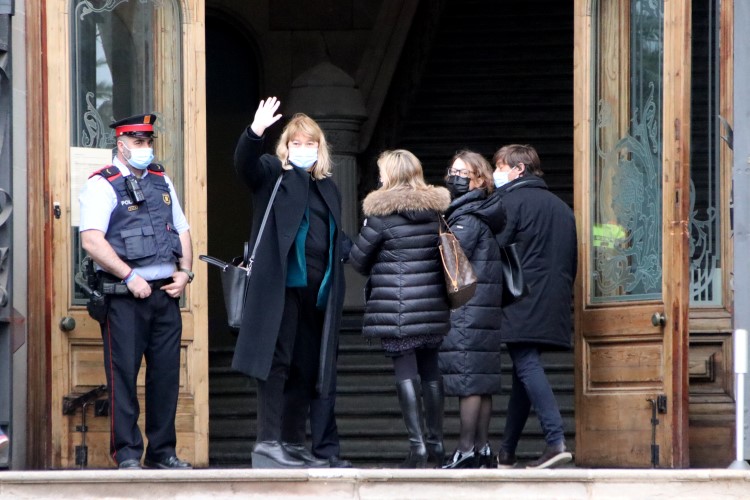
pixel 369 419
pixel 491 73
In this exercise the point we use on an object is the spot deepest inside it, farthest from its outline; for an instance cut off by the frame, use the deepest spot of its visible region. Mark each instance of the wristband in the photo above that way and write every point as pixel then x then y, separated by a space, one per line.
pixel 129 277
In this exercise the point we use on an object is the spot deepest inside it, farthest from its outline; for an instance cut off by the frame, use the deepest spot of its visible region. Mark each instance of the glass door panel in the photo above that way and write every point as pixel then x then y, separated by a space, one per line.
pixel 626 179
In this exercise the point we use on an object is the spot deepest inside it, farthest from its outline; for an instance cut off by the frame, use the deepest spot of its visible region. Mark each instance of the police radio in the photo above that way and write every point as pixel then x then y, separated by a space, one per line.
pixel 134 189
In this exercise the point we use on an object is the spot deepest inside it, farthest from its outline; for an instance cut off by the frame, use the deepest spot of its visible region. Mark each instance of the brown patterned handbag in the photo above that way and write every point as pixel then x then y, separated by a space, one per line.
pixel 460 280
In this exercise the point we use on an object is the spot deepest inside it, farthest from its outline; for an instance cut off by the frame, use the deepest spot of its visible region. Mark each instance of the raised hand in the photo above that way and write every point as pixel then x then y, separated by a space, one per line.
pixel 264 115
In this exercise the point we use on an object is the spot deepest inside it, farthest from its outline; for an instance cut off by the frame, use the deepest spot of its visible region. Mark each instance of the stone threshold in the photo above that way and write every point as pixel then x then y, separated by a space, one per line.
pixel 381 484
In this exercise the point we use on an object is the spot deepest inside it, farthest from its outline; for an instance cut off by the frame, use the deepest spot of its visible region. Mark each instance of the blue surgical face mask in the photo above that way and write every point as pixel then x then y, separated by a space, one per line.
pixel 303 157
pixel 140 158
pixel 500 178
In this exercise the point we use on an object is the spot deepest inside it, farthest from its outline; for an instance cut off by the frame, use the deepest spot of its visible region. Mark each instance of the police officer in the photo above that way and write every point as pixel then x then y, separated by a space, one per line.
pixel 134 229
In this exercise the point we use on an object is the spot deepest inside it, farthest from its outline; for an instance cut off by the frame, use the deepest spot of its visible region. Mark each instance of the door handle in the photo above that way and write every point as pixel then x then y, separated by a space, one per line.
pixel 67 324
pixel 658 319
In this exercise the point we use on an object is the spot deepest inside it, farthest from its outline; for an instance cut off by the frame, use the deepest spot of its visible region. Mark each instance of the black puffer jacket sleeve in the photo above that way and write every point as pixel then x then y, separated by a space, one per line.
pixel 366 247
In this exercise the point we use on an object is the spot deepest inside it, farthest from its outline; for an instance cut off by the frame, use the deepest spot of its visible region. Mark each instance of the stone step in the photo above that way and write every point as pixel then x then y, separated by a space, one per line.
pixel 380 484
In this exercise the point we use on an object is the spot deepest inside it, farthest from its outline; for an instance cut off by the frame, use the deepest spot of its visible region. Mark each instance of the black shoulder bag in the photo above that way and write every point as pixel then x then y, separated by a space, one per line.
pixel 514 286
pixel 235 276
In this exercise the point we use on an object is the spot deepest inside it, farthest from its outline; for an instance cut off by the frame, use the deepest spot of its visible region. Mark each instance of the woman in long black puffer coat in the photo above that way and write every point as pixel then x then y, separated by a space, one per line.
pixel 470 354
pixel 406 305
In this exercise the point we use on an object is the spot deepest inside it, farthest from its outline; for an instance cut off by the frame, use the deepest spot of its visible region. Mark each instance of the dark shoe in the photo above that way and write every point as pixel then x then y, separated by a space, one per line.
pixel 506 460
pixel 553 456
pixel 433 396
pixel 168 463
pixel 130 463
pixel 299 452
pixel 411 408
pixel 484 458
pixel 339 463
pixel 271 455
pixel 462 460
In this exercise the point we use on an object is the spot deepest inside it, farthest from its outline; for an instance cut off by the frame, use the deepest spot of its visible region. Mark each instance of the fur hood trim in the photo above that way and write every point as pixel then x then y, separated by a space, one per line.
pixel 381 203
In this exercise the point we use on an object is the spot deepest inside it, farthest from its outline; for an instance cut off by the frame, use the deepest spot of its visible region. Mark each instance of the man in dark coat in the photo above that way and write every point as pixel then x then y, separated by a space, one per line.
pixel 296 291
pixel 545 229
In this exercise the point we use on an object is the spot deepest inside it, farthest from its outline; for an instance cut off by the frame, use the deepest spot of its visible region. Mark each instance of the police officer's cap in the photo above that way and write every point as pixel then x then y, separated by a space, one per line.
pixel 135 126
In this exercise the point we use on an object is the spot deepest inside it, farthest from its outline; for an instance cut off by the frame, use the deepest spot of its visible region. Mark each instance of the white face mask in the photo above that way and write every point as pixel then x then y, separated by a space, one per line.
pixel 140 158
pixel 501 178
pixel 303 157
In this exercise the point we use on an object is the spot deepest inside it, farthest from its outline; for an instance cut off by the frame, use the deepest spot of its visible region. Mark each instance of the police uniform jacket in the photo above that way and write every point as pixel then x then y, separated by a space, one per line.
pixel 143 233
pixel 470 354
pixel 264 305
pixel 545 228
pixel 397 247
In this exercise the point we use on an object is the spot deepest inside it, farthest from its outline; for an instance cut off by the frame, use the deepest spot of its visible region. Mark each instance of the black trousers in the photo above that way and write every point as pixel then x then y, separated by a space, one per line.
pixel 323 429
pixel 135 328
pixel 284 397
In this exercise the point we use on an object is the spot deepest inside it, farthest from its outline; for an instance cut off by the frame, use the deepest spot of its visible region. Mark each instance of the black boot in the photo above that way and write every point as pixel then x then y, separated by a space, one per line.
pixel 411 408
pixel 434 397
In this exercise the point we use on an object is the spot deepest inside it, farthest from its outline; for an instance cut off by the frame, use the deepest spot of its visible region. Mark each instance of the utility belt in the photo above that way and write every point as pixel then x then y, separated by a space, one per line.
pixel 110 284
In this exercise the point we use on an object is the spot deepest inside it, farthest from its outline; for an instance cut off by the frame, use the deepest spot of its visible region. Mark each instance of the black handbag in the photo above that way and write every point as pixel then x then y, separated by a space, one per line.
pixel 460 280
pixel 514 287
pixel 235 275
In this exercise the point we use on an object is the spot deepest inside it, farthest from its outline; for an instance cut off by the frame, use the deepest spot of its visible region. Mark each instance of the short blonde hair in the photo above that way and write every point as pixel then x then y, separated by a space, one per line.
pixel 303 124
pixel 400 169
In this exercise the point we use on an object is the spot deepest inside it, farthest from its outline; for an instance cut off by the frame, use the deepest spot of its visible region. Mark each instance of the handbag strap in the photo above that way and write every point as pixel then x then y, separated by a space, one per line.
pixel 263 223
pixel 214 261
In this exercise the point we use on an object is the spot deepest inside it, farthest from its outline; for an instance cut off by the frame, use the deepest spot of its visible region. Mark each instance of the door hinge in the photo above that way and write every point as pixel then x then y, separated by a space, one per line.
pixel 726 133
pixel 661 403
pixel 658 405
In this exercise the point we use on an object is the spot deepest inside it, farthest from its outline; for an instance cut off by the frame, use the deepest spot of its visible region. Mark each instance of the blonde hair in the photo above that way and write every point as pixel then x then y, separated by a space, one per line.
pixel 303 124
pixel 400 169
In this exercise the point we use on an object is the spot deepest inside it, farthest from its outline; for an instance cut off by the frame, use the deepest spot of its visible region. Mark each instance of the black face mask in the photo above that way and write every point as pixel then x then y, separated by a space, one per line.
pixel 458 186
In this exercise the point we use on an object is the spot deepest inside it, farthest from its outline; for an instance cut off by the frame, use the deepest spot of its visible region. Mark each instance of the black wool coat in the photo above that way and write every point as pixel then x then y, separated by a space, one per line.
pixel 265 300
pixel 470 354
pixel 545 229
pixel 397 247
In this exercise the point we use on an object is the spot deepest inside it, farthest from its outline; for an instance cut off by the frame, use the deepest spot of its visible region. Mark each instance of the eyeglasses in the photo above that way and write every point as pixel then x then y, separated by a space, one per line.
pixel 461 173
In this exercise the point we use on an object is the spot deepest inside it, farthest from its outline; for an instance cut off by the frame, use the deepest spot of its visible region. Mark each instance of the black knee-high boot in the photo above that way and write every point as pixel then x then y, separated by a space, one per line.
pixel 434 396
pixel 411 407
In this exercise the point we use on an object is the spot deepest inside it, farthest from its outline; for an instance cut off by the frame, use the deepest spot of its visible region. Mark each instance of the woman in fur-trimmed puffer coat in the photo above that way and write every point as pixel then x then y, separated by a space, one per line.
pixel 406 305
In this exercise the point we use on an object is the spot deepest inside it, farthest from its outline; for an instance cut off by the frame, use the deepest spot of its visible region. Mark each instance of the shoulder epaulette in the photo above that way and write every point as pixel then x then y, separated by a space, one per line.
pixel 156 168
pixel 109 172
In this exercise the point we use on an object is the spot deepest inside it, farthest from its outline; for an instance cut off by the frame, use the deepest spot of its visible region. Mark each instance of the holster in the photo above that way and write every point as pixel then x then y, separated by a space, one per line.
pixel 98 306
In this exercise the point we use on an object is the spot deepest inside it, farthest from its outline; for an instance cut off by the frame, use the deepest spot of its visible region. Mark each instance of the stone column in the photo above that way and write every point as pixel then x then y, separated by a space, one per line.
pixel 330 96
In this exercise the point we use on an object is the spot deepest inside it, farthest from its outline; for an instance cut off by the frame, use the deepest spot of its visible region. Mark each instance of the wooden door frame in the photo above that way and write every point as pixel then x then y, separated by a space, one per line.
pixel 675 194
pixel 38 405
pixel 47 134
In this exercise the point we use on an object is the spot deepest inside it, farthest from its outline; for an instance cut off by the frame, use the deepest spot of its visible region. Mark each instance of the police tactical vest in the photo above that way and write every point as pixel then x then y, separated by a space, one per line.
pixel 143 233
